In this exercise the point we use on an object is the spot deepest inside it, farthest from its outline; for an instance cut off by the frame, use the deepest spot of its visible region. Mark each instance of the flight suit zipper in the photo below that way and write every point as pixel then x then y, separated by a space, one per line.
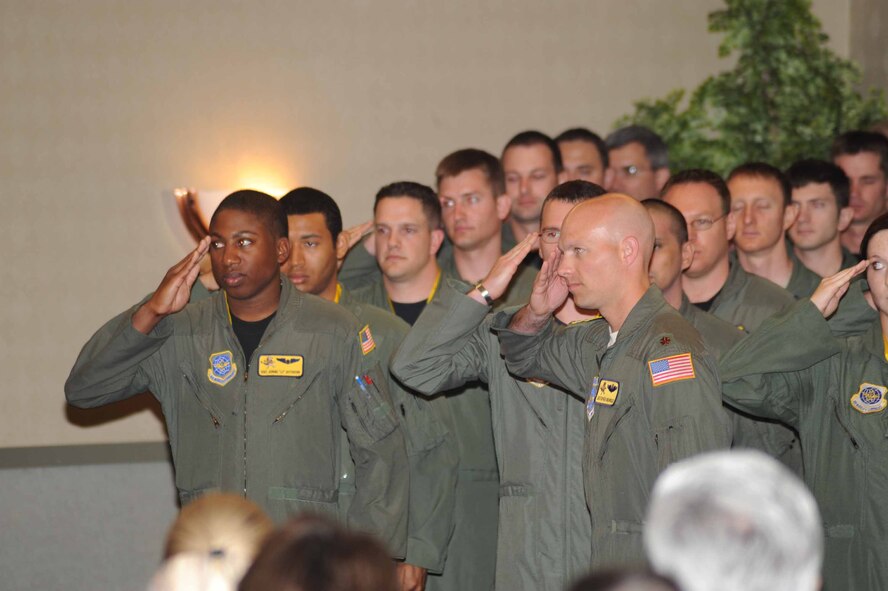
pixel 188 378
pixel 845 427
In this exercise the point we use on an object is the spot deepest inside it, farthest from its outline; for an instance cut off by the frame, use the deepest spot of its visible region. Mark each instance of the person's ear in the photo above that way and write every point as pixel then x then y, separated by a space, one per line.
pixel 629 249
pixel 790 215
pixel 436 241
pixel 730 225
pixel 283 250
pixel 503 207
pixel 846 216
pixel 687 256
pixel 341 247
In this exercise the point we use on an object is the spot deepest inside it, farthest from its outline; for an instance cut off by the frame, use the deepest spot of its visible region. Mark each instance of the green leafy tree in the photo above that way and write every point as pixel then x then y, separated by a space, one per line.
pixel 787 97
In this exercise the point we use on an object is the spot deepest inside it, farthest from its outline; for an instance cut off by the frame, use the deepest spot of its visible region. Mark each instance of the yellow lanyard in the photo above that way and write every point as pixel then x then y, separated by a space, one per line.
pixel 338 293
pixel 227 308
pixel 885 345
pixel 428 299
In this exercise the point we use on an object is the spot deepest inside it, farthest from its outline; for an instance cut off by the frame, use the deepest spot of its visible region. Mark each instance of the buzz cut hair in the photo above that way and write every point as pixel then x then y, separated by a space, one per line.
pixel 702 176
pixel 676 220
pixel 574 192
pixel 537 138
pixel 581 134
pixel 763 170
pixel 261 205
pixel 307 200
pixel 426 196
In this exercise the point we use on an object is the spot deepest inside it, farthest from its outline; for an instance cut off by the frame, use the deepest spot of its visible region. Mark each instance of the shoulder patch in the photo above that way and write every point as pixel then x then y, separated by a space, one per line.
pixel 869 398
pixel 366 338
pixel 222 368
pixel 671 369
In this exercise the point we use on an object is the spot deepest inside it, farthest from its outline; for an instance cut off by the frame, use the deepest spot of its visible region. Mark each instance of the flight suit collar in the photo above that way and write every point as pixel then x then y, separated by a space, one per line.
pixel 640 316
pixel 289 304
pixel 873 341
pixel 734 284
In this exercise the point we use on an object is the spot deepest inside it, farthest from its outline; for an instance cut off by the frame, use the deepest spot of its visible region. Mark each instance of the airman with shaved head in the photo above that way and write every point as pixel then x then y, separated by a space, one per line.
pixel 651 388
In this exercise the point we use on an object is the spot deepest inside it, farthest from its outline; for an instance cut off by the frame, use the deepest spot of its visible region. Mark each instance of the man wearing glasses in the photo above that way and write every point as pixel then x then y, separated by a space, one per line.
pixel 639 162
pixel 721 287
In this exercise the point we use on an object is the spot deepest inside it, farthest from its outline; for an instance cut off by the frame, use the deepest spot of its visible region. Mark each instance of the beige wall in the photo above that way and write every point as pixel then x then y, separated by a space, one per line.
pixel 868 30
pixel 106 106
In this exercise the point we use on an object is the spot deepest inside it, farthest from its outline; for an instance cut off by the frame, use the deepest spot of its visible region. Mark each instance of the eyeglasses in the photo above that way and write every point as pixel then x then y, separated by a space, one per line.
pixel 631 171
pixel 550 235
pixel 703 224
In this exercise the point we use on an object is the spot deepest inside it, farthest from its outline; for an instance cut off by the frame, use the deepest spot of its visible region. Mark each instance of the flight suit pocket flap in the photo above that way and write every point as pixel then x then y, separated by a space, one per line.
pixel 371 408
pixel 516 490
pixel 280 493
pixel 626 527
pixel 840 531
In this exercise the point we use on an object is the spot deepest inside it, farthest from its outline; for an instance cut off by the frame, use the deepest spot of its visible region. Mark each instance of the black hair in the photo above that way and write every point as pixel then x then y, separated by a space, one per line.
pixel 810 171
pixel 678 222
pixel 537 138
pixel 879 224
pixel 656 149
pixel 306 200
pixel 700 175
pixel 855 142
pixel 431 207
pixel 581 134
pixel 263 206
pixel 574 192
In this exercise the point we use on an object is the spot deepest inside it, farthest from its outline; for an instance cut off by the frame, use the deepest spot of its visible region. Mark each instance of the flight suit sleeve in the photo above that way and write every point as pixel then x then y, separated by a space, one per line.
pixel 444 349
pixel 359 268
pixel 687 416
pixel 555 354
pixel 111 366
pixel 766 373
pixel 377 448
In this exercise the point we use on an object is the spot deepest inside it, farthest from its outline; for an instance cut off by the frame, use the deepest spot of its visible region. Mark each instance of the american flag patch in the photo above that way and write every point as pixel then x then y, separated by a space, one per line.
pixel 367 342
pixel 671 369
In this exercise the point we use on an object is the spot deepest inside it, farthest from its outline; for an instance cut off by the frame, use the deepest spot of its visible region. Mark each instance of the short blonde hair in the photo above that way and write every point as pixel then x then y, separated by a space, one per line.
pixel 226 528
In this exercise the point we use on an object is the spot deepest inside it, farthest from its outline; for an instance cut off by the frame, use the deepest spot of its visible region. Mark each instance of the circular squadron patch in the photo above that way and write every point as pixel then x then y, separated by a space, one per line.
pixel 222 368
pixel 870 398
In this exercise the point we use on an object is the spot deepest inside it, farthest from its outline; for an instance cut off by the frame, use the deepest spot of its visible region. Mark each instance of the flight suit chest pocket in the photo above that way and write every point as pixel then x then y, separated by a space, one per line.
pixel 600 435
pixel 290 392
pixel 196 400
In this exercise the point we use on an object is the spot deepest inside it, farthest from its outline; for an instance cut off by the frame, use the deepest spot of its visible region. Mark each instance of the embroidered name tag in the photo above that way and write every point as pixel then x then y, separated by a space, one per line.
pixel 869 398
pixel 280 365
pixel 222 368
pixel 607 392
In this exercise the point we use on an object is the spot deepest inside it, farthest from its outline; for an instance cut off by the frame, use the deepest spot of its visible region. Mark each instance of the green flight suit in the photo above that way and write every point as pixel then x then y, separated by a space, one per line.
pixel 833 390
pixel 545 532
pixel 854 314
pixel 636 428
pixel 471 555
pixel 431 449
pixel 718 335
pixel 268 428
pixel 746 301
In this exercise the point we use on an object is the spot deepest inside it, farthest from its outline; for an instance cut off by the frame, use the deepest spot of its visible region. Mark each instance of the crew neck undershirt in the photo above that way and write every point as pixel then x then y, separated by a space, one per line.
pixel 249 334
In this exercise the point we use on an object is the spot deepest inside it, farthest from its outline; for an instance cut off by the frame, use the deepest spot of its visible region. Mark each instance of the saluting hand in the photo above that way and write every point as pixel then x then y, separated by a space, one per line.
pixel 549 292
pixel 357 233
pixel 549 288
pixel 505 267
pixel 831 289
pixel 411 577
pixel 173 292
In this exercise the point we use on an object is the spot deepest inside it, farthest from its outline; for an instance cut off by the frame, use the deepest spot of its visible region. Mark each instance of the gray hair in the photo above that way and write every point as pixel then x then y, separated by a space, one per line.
pixel 654 146
pixel 734 521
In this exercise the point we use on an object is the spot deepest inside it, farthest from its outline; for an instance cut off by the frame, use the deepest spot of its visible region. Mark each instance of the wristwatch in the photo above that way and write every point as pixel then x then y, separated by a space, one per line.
pixel 484 293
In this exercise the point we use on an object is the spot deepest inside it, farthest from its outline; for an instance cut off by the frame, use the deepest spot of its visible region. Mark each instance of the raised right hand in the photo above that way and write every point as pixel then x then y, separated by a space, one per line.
pixel 173 292
pixel 549 288
pixel 831 289
pixel 357 233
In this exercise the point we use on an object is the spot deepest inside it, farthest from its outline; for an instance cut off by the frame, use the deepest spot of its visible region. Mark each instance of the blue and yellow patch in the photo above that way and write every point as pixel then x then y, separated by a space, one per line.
pixel 869 398
pixel 607 392
pixel 222 368
pixel 281 365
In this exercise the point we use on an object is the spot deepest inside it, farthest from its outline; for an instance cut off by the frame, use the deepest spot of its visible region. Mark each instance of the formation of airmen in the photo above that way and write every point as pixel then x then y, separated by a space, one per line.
pixel 490 374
